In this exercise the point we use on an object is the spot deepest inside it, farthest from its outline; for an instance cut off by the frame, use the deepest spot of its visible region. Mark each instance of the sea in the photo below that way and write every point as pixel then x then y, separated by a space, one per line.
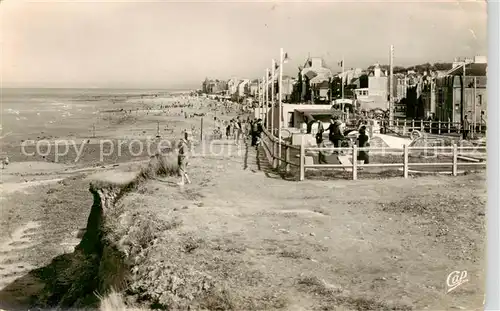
pixel 28 113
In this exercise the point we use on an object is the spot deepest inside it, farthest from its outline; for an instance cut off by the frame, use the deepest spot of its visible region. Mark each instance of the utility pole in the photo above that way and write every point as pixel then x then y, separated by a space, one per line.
pixel 463 95
pixel 258 96
pixel 391 86
pixel 342 77
pixel 273 69
pixel 280 99
pixel 474 103
pixel 267 98
pixel 263 98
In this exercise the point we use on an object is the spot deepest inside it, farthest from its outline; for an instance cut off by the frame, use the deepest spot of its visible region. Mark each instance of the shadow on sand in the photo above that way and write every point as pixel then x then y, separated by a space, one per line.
pixel 263 165
pixel 38 290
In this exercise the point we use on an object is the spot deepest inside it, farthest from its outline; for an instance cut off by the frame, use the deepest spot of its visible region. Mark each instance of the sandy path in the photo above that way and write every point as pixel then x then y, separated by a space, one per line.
pixel 390 240
pixel 12 266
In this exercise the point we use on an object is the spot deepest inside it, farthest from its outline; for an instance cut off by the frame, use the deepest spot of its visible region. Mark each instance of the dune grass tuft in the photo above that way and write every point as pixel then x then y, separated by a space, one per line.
pixel 164 164
pixel 114 302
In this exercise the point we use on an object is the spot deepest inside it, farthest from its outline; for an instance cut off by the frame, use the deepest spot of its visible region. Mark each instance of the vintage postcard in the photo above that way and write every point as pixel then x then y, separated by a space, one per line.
pixel 241 155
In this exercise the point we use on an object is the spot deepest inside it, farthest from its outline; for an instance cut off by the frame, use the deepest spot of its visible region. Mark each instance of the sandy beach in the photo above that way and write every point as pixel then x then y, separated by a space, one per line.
pixel 56 139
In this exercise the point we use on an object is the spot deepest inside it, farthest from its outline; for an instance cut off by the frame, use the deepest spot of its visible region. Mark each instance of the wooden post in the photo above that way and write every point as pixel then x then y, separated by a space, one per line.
pixel 302 160
pixel 421 125
pixel 404 129
pixel 354 162
pixel 439 127
pixel 430 126
pixel 287 159
pixel 412 124
pixel 397 122
pixel 201 131
pixel 405 123
pixel 455 160
pixel 273 152
pixel 405 161
pixel 449 127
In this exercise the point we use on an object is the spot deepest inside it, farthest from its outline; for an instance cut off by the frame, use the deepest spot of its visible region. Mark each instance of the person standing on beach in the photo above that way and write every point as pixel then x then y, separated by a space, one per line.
pixel 335 135
pixel 363 142
pixel 182 159
pixel 237 130
pixel 259 128
pixel 228 130
pixel 320 143
pixel 465 128
pixel 253 131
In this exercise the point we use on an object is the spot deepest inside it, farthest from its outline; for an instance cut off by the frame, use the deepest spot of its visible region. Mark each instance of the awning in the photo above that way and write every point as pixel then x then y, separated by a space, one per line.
pixel 320 112
pixel 369 105
pixel 308 116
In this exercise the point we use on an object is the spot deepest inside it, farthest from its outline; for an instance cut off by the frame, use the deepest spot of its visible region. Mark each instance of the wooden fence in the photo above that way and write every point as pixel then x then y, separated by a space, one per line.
pixel 270 144
pixel 405 164
pixel 436 127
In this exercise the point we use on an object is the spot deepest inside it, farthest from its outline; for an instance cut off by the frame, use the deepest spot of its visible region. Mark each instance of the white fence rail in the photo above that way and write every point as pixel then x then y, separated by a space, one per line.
pixel 270 144
pixel 405 164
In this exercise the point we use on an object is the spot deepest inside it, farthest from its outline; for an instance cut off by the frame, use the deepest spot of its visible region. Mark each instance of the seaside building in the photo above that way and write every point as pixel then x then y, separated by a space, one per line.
pixel 316 76
pixel 375 94
pixel 457 97
pixel 253 86
pixel 243 88
pixel 444 95
pixel 214 86
pixel 232 86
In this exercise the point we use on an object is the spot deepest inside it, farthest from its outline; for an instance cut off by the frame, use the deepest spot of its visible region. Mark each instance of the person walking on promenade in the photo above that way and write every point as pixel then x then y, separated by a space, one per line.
pixel 237 130
pixel 259 130
pixel 253 132
pixel 182 159
pixel 465 128
pixel 233 127
pixel 363 142
pixel 331 129
pixel 320 143
pixel 228 130
pixel 335 132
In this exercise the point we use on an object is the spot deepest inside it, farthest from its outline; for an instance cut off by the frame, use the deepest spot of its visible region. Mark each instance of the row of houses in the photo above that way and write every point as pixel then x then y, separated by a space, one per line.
pixel 441 95
pixel 239 89
pixel 447 96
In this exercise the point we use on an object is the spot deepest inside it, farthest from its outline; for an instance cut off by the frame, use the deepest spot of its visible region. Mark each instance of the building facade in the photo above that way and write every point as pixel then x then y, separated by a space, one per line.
pixel 214 86
pixel 232 86
pixel 457 96
pixel 375 94
pixel 316 76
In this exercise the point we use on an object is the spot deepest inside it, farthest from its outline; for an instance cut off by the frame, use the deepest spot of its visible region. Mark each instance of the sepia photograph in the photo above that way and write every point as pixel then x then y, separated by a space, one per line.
pixel 244 155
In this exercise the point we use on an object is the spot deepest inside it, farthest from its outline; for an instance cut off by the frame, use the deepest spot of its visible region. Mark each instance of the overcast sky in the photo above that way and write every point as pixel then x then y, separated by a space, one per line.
pixel 176 45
